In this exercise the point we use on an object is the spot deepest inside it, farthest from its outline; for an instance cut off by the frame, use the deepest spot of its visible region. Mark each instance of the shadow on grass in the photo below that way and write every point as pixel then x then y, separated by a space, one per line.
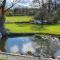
pixel 38 27
pixel 33 27
pixel 21 25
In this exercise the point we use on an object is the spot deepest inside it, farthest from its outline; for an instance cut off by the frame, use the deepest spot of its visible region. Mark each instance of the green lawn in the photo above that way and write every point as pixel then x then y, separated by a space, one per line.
pixel 3 58
pixel 33 28
pixel 29 28
pixel 18 18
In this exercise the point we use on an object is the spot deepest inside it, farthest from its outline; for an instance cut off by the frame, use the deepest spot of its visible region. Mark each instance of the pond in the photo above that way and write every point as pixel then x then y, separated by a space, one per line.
pixel 37 44
pixel 19 45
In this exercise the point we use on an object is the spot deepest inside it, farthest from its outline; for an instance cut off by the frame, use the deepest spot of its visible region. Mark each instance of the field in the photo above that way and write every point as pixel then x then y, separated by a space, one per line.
pixel 2 58
pixel 18 18
pixel 30 28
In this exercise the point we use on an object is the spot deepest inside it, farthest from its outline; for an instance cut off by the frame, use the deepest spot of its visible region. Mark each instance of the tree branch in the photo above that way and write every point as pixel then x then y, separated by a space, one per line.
pixel 10 7
pixel 3 4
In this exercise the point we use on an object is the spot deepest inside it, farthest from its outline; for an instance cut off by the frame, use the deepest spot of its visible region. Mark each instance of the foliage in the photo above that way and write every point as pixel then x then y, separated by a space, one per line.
pixel 48 12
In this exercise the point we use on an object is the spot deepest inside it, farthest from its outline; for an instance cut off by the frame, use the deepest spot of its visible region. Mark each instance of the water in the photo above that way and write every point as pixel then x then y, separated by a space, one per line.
pixel 18 44
pixel 24 44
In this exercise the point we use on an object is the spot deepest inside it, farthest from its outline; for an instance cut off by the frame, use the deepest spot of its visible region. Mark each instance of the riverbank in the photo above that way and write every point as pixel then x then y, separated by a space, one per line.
pixel 33 28
pixel 6 56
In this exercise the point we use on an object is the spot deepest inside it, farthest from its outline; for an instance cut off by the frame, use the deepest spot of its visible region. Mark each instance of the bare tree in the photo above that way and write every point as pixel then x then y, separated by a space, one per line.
pixel 2 21
pixel 2 13
pixel 36 1
pixel 49 5
pixel 55 4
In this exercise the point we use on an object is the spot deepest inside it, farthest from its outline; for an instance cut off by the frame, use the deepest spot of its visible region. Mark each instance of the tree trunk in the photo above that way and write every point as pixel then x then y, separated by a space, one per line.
pixel 2 29
pixel 2 20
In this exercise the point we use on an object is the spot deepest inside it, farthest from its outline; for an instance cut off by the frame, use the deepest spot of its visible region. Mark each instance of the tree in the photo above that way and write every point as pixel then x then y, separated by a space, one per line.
pixel 55 4
pixel 40 15
pixel 54 12
pixel 36 1
pixel 48 11
pixel 2 21
pixel 2 13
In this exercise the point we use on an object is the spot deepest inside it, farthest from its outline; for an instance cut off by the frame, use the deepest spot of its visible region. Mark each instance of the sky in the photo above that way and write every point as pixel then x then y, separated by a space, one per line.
pixel 22 3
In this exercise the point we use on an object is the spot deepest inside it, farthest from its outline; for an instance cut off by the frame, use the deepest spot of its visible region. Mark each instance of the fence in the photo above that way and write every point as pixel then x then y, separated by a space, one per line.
pixel 9 56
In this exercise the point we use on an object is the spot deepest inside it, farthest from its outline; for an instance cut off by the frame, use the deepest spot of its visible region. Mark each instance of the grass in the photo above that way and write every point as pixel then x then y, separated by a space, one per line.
pixel 33 28
pixel 18 18
pixel 2 58
pixel 29 28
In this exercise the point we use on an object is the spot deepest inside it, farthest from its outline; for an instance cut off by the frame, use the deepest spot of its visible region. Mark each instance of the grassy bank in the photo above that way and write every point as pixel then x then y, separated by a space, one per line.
pixel 2 58
pixel 33 28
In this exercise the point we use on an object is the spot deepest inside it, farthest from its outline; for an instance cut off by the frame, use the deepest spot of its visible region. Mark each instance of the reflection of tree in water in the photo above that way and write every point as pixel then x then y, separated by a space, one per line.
pixel 48 45
pixel 2 42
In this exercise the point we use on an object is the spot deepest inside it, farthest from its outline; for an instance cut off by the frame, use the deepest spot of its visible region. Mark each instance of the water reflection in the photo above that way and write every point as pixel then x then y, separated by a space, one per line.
pixel 18 44
pixel 38 45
